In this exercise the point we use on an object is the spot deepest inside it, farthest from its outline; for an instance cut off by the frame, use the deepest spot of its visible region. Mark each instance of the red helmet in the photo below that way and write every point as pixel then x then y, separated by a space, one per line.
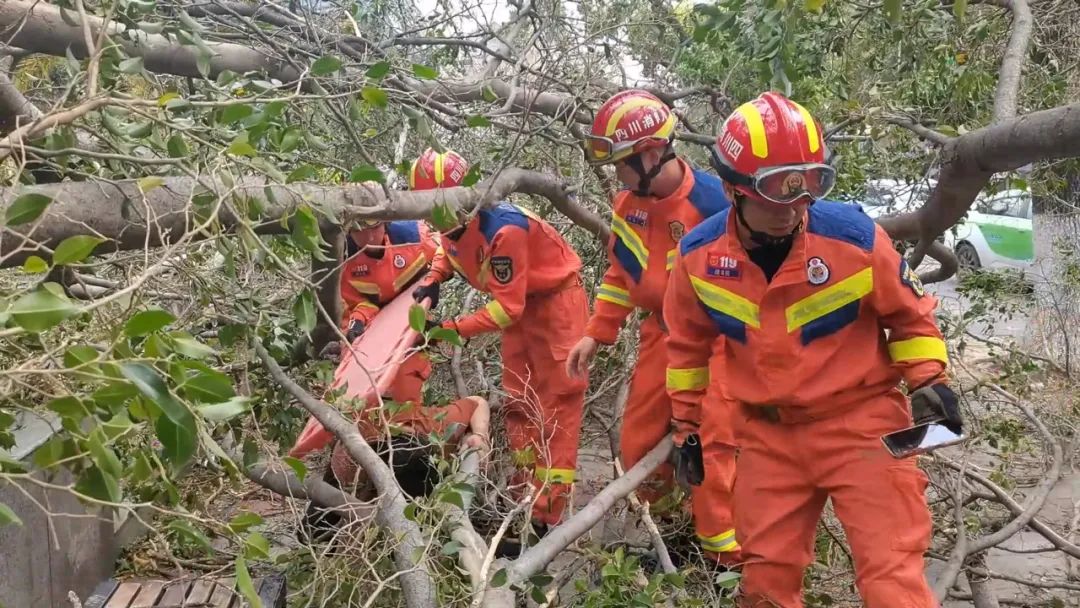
pixel 627 124
pixel 772 148
pixel 434 170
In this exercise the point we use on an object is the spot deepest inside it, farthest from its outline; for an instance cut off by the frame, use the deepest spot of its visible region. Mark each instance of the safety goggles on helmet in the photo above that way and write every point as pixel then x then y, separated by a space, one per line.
pixel 603 150
pixel 783 184
pixel 365 224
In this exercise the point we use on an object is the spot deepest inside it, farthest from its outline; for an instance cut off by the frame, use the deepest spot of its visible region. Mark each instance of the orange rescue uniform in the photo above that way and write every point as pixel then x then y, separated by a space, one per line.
pixel 813 358
pixel 539 305
pixel 645 235
pixel 368 283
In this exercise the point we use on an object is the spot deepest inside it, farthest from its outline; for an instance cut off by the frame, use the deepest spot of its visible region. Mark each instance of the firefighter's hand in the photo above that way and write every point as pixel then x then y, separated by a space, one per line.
pixel 331 352
pixel 937 402
pixel 356 327
pixel 429 291
pixel 577 362
pixel 689 464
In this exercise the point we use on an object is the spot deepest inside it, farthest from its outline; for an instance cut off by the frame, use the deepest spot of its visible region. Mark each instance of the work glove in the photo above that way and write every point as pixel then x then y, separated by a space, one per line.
pixel 356 327
pixel 331 352
pixel 429 291
pixel 689 465
pixel 937 402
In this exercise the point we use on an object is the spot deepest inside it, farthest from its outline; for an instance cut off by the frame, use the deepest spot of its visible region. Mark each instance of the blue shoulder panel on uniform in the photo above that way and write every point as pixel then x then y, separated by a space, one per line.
pixel 704 233
pixel 402 232
pixel 830 323
pixel 842 221
pixel 707 195
pixel 494 218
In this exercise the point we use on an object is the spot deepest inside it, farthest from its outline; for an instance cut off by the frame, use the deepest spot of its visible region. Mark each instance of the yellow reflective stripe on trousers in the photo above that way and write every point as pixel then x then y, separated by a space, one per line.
pixel 687 379
pixel 615 295
pixel 498 314
pixel 829 299
pixel 410 272
pixel 721 543
pixel 552 475
pixel 671 259
pixel 631 239
pixel 923 347
pixel 727 302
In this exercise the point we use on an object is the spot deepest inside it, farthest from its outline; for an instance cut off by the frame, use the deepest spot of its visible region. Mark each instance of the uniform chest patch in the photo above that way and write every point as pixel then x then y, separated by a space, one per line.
pixel 911 280
pixel 817 271
pixel 399 261
pixel 723 267
pixel 677 229
pixel 361 271
pixel 502 268
pixel 453 250
pixel 638 217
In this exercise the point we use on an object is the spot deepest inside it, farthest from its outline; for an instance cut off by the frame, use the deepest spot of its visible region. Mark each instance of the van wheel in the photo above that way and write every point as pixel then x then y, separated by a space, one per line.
pixel 967 256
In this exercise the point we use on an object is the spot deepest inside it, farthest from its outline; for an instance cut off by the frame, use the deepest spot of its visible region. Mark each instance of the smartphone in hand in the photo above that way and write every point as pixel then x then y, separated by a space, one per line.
pixel 920 439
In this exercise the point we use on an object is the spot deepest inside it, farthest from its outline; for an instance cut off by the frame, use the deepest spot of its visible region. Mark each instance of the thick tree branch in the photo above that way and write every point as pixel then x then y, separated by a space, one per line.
pixel 1012 62
pixel 15 108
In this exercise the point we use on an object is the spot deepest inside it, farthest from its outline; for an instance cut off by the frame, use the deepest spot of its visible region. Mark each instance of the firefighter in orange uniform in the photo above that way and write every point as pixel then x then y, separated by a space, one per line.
pixel 666 197
pixel 540 307
pixel 821 320
pixel 382 260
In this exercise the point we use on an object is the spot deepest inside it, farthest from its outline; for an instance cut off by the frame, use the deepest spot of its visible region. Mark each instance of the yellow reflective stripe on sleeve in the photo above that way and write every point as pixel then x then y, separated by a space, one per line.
pixel 631 239
pixel 829 299
pixel 439 165
pixel 365 287
pixel 550 475
pixel 410 272
pixel 721 543
pixel 687 379
pixel 529 213
pixel 456 265
pixel 671 259
pixel 759 144
pixel 498 314
pixel 923 347
pixel 811 127
pixel 615 295
pixel 729 303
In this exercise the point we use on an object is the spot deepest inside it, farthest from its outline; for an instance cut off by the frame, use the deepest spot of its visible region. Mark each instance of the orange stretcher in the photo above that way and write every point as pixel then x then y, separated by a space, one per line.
pixel 370 367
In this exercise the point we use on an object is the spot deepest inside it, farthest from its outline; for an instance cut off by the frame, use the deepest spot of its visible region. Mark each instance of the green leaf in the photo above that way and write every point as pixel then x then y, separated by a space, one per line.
pixel 471 177
pixel 81 354
pixel 146 322
pixel 291 139
pixel 410 511
pixel 378 70
pixel 451 548
pixel 177 147
pixel 98 484
pixel 424 72
pixel 176 429
pixel 960 9
pixel 235 113
pixel 327 64
pixel 297 466
pixel 35 265
pixel 139 131
pixel 366 173
pixel 41 309
pixel 192 533
pixel 892 10
pixel 102 455
pixel 150 182
pixel 208 386
pixel 815 5
pixel 537 595
pixel 499 579
pixel 417 318
pixel 301 173
pixel 133 65
pixel 26 208
pixel 190 347
pixel 7 516
pixel 221 412
pixel 478 120
pixel 303 310
pixel 75 249
pixel 242 521
pixel 177 442
pixel 443 217
pixel 375 96
pixel 245 586
pixel 242 148
pixel 166 98
pixel 445 334
pixel 68 407
pixel 489 94
pixel 727 580
pixel 256 546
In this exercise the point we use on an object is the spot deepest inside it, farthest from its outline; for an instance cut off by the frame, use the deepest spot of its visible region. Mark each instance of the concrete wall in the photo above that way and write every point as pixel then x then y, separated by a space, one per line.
pixel 38 566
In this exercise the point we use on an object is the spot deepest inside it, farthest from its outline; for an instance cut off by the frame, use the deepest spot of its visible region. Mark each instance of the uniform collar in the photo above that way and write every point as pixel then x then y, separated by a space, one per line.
pixel 792 270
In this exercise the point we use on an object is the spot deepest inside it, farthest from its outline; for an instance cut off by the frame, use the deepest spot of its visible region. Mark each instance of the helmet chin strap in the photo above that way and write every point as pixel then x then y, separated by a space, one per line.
pixel 645 177
pixel 764 239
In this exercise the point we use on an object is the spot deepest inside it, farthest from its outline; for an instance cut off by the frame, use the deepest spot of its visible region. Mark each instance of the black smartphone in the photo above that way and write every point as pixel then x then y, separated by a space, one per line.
pixel 920 439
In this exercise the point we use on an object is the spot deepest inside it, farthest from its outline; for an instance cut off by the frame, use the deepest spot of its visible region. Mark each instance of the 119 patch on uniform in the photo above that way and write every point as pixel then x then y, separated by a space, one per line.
pixel 909 278
pixel 502 268
pixel 722 266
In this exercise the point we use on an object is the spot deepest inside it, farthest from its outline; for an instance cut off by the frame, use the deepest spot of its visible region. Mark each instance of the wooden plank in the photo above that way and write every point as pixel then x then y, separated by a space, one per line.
pixel 200 593
pixel 223 594
pixel 148 595
pixel 102 594
pixel 174 594
pixel 121 598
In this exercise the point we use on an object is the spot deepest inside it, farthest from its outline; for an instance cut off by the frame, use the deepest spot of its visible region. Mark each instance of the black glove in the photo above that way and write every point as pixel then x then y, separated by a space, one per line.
pixel 356 327
pixel 689 465
pixel 937 402
pixel 429 291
